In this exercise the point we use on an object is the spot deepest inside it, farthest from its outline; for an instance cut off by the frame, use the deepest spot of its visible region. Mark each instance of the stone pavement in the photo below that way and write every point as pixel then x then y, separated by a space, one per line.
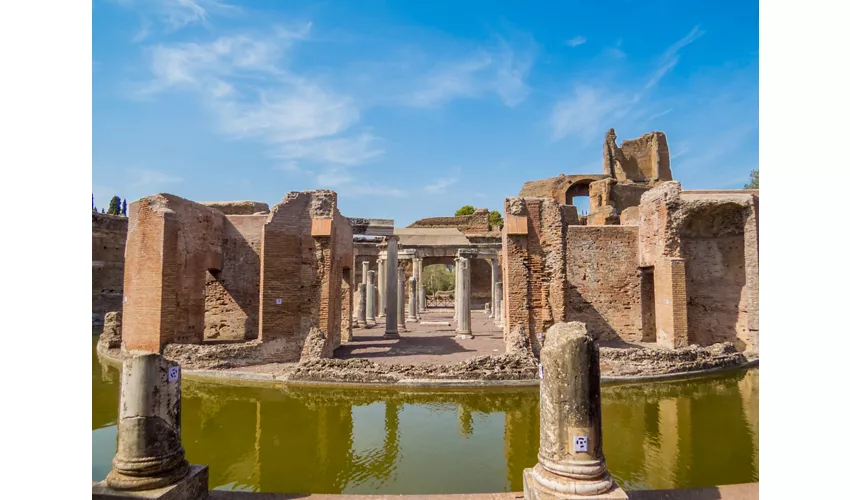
pixel 425 343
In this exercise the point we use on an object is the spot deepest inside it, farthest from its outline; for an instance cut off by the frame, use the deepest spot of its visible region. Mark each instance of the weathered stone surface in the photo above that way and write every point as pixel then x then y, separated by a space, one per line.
pixel 570 460
pixel 630 216
pixel 150 453
pixel 517 341
pixel 645 159
pixel 194 486
pixel 111 336
pixel 400 302
pixel 391 295
pixel 413 303
pixel 238 207
pixel 361 305
pixel 315 346
pixel 605 215
pixel 463 299
pixel 370 298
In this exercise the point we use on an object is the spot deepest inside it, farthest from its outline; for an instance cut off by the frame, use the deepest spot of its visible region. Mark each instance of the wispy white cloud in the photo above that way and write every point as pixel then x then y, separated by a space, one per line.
pixel 142 177
pixel 660 114
pixel 143 32
pixel 501 70
pixel 589 110
pixel 670 57
pixel 576 41
pixel 440 185
pixel 176 14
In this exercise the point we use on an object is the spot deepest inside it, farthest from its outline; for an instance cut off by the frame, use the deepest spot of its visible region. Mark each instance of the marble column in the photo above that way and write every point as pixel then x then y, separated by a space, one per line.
pixel 456 288
pixel 570 461
pixel 391 295
pixel 495 275
pixel 420 292
pixel 402 327
pixel 463 299
pixel 150 453
pixel 497 305
pixel 365 269
pixel 413 303
pixel 370 298
pixel 361 305
pixel 382 287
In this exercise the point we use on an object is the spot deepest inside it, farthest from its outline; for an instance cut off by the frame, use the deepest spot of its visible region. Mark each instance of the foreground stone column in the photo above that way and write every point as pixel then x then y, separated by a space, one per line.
pixel 413 303
pixel 150 454
pixel 364 271
pixel 391 295
pixel 570 462
pixel 382 287
pixel 463 300
pixel 400 301
pixel 370 298
pixel 420 292
pixel 361 305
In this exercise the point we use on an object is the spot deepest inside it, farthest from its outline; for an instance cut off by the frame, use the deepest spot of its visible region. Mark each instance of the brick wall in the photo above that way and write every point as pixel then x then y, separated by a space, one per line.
pixel 481 284
pixel 603 281
pixel 171 244
pixel 299 270
pixel 479 222
pixel 109 237
pixel 232 295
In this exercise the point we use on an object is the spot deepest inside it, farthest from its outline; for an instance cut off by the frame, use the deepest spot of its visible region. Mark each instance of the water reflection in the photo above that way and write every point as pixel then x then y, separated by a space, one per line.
pixel 299 440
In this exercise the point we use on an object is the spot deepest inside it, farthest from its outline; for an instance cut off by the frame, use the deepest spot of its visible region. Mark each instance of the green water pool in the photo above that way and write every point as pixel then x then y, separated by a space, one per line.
pixel 661 435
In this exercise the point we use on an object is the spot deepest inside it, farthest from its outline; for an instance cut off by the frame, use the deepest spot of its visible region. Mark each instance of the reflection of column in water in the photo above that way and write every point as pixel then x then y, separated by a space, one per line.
pixel 749 389
pixel 465 420
pixel 522 431
pixel 662 452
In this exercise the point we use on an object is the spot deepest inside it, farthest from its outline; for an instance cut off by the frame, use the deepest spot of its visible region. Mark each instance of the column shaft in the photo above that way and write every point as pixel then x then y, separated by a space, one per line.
pixel 391 295
pixel 382 287
pixel 464 299
pixel 370 298
pixel 400 301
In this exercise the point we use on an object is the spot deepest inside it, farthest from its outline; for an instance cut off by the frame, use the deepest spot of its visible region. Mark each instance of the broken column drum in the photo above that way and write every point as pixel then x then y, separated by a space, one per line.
pixel 413 305
pixel 391 295
pixel 400 301
pixel 361 305
pixel 150 454
pixel 463 299
pixel 570 460
pixel 370 298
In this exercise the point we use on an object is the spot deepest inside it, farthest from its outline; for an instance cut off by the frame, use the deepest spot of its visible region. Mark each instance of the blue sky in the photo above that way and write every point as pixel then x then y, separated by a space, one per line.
pixel 412 109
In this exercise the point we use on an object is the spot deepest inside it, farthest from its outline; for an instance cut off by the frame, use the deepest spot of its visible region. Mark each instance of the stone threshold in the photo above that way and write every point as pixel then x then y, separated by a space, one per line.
pixel 232 376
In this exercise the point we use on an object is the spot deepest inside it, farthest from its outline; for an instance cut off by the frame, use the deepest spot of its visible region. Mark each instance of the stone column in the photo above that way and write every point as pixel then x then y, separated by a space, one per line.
pixel 361 305
pixel 150 454
pixel 382 287
pixel 463 299
pixel 364 271
pixel 570 461
pixel 456 287
pixel 495 275
pixel 497 305
pixel 370 298
pixel 413 303
pixel 492 287
pixel 391 295
pixel 400 301
pixel 420 292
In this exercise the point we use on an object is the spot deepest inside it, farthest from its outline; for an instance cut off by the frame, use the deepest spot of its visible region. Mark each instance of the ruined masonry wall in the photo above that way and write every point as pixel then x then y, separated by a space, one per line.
pixel 603 282
pixel 109 237
pixel 232 296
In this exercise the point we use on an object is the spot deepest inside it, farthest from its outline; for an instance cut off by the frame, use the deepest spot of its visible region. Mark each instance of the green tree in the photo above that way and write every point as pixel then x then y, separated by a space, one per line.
pixel 754 180
pixel 114 206
pixel 465 210
pixel 438 278
pixel 496 220
pixel 124 208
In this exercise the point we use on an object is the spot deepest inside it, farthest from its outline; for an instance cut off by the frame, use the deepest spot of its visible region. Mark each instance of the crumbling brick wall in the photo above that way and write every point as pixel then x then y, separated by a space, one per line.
pixel 232 295
pixel 479 222
pixel 171 245
pixel 108 240
pixel 603 281
pixel 645 159
pixel 533 264
pixel 238 207
pixel 300 277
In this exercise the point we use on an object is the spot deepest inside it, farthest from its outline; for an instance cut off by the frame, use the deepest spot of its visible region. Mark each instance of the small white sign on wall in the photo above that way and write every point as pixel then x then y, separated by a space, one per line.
pixel 173 373
pixel 580 444
pixel 278 301
pixel 125 298
pixel 540 371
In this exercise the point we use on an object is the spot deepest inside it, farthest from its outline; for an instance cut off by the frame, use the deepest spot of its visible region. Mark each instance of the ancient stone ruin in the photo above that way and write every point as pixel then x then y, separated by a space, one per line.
pixel 650 266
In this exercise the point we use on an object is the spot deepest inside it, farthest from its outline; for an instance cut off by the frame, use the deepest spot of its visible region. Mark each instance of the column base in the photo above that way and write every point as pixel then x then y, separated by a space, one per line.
pixel 464 335
pixel 361 324
pixel 370 322
pixel 392 335
pixel 413 320
pixel 567 489
pixel 193 486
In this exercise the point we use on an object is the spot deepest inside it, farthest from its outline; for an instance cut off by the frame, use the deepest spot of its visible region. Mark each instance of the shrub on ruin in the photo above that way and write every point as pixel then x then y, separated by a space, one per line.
pixel 465 210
